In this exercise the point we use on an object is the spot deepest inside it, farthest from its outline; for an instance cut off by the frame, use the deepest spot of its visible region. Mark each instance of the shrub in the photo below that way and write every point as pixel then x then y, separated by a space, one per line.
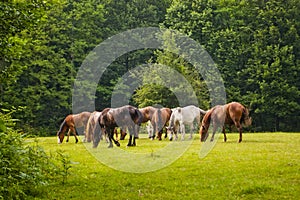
pixel 23 168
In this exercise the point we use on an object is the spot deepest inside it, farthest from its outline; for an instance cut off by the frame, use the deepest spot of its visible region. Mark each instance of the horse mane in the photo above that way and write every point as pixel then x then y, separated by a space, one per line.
pixel 62 125
pixel 207 117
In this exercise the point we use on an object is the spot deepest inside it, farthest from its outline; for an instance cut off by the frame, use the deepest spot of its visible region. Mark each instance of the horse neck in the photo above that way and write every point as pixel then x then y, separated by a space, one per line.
pixel 62 127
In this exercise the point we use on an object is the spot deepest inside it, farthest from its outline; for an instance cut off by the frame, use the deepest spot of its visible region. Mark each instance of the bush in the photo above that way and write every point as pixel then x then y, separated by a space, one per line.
pixel 23 168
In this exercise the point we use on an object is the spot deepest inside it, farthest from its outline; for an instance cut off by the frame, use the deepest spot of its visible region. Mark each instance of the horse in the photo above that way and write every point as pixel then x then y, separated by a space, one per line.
pixel 125 116
pixel 147 113
pixel 70 123
pixel 184 116
pixel 232 113
pixel 159 120
pixel 92 122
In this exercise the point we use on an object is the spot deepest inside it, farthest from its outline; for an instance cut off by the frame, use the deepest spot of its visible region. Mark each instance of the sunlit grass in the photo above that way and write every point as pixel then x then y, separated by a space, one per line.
pixel 263 166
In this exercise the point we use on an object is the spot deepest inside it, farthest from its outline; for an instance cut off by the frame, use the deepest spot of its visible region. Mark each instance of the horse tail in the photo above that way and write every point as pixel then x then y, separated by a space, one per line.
pixel 140 116
pixel 245 119
pixel 202 112
pixel 159 121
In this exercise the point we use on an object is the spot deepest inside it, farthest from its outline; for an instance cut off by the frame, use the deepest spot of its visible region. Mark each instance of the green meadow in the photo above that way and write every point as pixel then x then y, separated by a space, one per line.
pixel 263 166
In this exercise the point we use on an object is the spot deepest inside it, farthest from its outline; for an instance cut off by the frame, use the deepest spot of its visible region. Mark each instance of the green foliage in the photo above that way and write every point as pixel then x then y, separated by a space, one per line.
pixel 255 45
pixel 24 169
pixel 65 165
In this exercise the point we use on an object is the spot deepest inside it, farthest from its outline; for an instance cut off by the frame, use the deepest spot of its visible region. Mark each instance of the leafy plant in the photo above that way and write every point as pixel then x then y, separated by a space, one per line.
pixel 24 169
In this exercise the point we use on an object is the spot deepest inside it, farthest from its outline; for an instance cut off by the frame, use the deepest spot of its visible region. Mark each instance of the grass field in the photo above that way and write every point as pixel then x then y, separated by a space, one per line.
pixel 263 166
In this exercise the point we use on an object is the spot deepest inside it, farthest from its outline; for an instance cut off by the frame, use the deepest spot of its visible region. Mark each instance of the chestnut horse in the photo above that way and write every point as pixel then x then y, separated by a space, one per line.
pixel 147 113
pixel 70 123
pixel 125 116
pixel 159 120
pixel 231 114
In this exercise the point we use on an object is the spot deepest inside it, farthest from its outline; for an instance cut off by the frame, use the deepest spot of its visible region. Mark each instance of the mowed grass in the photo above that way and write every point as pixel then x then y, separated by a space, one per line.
pixel 263 166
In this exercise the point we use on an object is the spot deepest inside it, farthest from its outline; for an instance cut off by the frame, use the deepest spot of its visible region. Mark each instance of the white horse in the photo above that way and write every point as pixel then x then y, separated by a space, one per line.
pixel 181 117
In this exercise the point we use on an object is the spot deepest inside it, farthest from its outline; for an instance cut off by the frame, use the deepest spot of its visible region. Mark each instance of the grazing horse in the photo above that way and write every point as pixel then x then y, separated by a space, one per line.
pixel 70 123
pixel 125 116
pixel 184 116
pixel 159 120
pixel 92 122
pixel 231 114
pixel 147 113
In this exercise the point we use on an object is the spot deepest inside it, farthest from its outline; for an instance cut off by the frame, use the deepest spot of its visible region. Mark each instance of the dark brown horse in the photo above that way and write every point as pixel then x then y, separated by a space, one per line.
pixel 70 123
pixel 231 114
pixel 159 121
pixel 125 116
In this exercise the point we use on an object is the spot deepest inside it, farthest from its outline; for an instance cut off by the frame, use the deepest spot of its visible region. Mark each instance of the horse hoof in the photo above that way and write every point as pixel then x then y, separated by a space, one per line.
pixel 76 141
pixel 110 146
pixel 240 140
pixel 118 144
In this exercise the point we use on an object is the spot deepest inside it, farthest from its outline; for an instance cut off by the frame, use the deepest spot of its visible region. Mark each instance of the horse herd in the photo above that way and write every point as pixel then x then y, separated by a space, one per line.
pixel 129 118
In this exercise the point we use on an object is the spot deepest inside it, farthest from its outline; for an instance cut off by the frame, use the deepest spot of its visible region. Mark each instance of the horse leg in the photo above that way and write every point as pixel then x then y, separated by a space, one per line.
pixel 68 134
pixel 182 127
pixel 225 138
pixel 133 143
pixel 112 137
pixel 192 130
pixel 239 127
pixel 214 131
pixel 73 129
pixel 166 132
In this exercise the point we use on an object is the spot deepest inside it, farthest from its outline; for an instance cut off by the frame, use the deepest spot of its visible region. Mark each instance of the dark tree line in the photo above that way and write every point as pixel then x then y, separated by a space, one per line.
pixel 255 45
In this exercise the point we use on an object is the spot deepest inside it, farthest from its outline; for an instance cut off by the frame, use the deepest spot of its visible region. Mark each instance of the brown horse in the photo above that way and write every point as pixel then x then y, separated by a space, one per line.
pixel 159 121
pixel 147 113
pixel 231 114
pixel 70 123
pixel 125 116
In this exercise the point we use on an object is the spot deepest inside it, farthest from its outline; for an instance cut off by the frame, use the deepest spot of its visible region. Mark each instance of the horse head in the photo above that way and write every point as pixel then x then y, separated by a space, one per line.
pixel 203 133
pixel 60 137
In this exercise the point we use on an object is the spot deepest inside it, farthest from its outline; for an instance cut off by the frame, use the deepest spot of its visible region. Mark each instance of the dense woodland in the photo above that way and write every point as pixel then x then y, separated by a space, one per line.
pixel 255 44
